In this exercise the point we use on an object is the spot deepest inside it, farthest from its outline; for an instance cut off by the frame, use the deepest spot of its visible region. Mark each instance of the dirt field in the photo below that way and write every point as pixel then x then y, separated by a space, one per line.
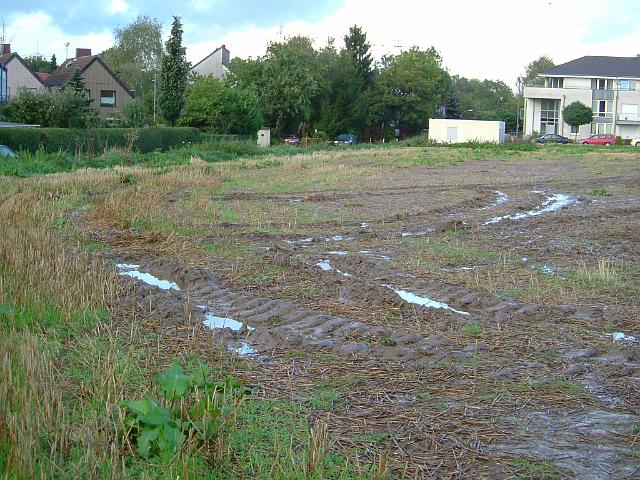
pixel 452 313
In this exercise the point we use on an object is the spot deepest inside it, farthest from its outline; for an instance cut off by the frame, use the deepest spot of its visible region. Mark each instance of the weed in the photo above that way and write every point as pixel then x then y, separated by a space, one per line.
pixel 601 192
pixel 539 470
pixel 473 330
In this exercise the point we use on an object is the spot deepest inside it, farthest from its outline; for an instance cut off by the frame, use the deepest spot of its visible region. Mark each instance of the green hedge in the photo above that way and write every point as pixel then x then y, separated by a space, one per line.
pixel 96 140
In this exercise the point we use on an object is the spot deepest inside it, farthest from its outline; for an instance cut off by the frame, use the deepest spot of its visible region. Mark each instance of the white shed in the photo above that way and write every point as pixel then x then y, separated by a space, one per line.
pixel 449 130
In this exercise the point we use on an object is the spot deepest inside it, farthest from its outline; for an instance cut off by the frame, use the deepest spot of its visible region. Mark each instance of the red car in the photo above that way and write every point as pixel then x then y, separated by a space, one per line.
pixel 599 139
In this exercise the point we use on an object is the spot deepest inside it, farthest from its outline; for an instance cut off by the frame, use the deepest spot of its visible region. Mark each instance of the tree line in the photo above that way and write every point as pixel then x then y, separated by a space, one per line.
pixel 295 87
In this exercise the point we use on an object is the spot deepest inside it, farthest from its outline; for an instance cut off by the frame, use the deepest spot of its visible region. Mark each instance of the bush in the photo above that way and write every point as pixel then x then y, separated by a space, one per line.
pixel 97 140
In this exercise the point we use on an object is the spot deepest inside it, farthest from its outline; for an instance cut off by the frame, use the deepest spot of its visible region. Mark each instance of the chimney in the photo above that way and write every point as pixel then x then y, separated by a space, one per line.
pixel 6 49
pixel 83 52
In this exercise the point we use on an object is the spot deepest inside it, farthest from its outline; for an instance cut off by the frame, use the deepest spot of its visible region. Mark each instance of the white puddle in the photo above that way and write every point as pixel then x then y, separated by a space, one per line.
pixel 364 225
pixel 621 337
pixel 414 234
pixel 327 267
pixel 424 301
pixel 369 253
pixel 244 349
pixel 502 198
pixel 341 253
pixel 133 271
pixel 551 204
pixel 214 322
pixel 296 242
pixel 337 238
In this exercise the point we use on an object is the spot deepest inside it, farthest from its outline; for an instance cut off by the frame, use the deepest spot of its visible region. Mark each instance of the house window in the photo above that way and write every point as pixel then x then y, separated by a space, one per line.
pixel 87 93
pixel 107 98
pixel 555 82
pixel 549 109
pixel 603 108
pixel 574 129
pixel 601 128
pixel 601 84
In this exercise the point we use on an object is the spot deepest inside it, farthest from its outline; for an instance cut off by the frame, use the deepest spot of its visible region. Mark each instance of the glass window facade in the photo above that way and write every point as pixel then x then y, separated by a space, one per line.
pixel 549 110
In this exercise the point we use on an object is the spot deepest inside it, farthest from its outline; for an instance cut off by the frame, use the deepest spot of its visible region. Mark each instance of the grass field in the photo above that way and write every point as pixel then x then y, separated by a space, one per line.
pixel 405 311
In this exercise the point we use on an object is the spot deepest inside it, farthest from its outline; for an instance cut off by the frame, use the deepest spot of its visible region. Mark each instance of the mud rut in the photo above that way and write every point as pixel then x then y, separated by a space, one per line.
pixel 420 383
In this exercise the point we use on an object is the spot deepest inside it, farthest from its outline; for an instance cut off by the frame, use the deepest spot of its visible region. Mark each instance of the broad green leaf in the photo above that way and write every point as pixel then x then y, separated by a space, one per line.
pixel 145 439
pixel 157 416
pixel 141 407
pixel 174 382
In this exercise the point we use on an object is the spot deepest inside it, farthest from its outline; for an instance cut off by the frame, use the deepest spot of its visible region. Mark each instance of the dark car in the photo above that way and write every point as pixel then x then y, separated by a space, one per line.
pixel 7 152
pixel 292 140
pixel 345 139
pixel 551 138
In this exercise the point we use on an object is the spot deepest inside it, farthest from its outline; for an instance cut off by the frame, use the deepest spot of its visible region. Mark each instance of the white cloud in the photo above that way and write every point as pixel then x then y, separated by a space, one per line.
pixel 492 39
pixel 117 6
pixel 36 32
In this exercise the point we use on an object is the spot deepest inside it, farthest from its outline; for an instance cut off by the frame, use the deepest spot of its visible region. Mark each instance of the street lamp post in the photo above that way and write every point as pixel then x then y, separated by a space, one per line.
pixel 155 86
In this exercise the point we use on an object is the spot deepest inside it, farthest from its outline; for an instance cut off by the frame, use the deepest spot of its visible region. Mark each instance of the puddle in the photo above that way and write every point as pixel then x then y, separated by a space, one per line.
pixel 369 253
pixel 414 234
pixel 297 242
pixel 502 198
pixel 244 349
pixel 364 225
pixel 213 321
pixel 621 337
pixel 327 267
pixel 551 204
pixel 337 238
pixel 341 253
pixel 133 271
pixel 424 301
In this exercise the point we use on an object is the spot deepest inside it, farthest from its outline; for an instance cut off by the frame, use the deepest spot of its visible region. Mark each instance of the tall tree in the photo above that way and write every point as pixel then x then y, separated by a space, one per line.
pixel 38 63
pixel 53 63
pixel 359 50
pixel 533 69
pixel 135 57
pixel 411 88
pixel 174 71
pixel 76 84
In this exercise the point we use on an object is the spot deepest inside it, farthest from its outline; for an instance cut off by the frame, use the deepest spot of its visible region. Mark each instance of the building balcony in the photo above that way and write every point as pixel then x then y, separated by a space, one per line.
pixel 545 92
pixel 629 119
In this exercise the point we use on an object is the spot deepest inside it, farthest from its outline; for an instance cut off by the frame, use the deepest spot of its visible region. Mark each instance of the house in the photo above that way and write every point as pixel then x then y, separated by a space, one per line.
pixel 3 85
pixel 108 92
pixel 18 74
pixel 216 64
pixel 610 85
pixel 449 130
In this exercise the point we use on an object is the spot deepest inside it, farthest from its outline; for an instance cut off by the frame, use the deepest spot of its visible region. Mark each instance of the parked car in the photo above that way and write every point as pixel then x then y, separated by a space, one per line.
pixel 292 140
pixel 345 139
pixel 599 139
pixel 551 138
pixel 635 142
pixel 7 152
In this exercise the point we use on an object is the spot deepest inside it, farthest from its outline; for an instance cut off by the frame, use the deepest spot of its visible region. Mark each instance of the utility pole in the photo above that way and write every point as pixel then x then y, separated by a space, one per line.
pixel 519 85
pixel 155 86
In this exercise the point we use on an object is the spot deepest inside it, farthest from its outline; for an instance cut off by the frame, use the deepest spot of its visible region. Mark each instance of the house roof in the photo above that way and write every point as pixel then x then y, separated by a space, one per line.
pixel 7 57
pixel 598 67
pixel 65 72
pixel 219 48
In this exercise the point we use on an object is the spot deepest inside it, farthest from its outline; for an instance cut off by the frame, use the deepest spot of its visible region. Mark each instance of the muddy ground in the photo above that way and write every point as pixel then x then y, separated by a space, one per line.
pixel 474 320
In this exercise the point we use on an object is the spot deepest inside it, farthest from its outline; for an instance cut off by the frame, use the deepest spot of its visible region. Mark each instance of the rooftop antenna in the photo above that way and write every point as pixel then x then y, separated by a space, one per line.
pixel 281 32
pixel 66 50
pixel 3 34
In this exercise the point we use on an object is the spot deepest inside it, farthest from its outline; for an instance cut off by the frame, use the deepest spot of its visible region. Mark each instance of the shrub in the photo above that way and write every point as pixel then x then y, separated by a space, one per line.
pixel 97 140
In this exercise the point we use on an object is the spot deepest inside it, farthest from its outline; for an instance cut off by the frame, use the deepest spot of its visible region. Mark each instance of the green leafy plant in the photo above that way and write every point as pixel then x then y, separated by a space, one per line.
pixel 193 405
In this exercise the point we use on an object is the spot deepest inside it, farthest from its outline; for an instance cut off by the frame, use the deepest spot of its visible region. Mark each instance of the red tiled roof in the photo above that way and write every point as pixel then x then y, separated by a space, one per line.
pixel 42 76
pixel 63 74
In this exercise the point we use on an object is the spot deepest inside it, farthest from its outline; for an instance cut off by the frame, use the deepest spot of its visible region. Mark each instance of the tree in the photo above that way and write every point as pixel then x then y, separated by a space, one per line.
pixel 411 88
pixel 486 100
pixel 53 64
pixel 77 83
pixel 38 63
pixel 359 50
pixel 134 114
pixel 576 114
pixel 135 57
pixel 533 69
pixel 174 71
pixel 66 109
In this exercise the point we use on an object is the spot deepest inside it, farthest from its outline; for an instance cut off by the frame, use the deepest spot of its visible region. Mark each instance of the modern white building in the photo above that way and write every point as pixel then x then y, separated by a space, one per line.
pixel 216 64
pixel 610 85
pixel 447 130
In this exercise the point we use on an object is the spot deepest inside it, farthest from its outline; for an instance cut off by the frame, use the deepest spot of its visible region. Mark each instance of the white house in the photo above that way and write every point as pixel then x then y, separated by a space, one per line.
pixel 216 64
pixel 18 74
pixel 610 85
pixel 448 130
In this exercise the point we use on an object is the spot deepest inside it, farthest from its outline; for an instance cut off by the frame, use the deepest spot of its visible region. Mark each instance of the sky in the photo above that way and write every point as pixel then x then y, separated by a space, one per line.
pixel 492 39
